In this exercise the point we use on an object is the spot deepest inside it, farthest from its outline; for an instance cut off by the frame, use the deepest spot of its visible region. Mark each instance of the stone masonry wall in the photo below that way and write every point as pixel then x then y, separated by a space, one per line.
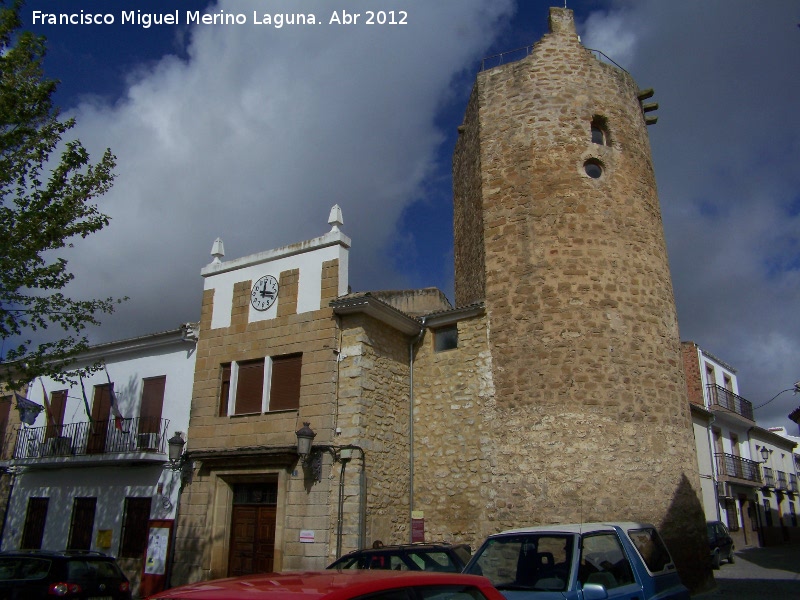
pixel 691 367
pixel 582 324
pixel 203 529
pixel 373 414
pixel 454 431
pixel 468 224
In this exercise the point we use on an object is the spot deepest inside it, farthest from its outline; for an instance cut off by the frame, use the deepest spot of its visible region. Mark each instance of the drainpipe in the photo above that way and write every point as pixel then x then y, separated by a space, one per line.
pixel 344 458
pixel 411 427
pixel 714 474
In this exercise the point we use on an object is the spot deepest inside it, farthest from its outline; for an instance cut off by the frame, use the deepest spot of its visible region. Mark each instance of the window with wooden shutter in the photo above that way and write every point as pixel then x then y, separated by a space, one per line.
pixel 224 389
pixel 55 418
pixel 33 530
pixel 152 404
pixel 133 538
pixel 249 387
pixel 82 527
pixel 5 409
pixel 284 391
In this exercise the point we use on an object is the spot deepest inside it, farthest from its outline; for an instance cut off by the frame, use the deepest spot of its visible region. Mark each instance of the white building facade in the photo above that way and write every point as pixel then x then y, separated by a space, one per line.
pixel 748 473
pixel 91 471
pixel 778 498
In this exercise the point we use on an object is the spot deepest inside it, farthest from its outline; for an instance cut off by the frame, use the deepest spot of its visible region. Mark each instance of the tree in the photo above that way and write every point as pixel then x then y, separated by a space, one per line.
pixel 44 206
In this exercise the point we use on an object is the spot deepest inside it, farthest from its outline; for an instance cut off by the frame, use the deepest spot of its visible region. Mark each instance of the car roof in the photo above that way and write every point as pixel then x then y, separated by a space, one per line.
pixel 310 585
pixel 56 554
pixel 576 528
pixel 417 546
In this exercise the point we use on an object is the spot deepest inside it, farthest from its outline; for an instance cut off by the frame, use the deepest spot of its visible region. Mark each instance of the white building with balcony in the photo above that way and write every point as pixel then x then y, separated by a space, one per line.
pixel 778 498
pixel 91 472
pixel 748 473
pixel 730 473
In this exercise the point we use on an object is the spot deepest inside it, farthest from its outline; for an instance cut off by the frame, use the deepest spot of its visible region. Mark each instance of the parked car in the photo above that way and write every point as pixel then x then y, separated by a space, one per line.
pixel 449 558
pixel 720 543
pixel 339 585
pixel 34 574
pixel 590 561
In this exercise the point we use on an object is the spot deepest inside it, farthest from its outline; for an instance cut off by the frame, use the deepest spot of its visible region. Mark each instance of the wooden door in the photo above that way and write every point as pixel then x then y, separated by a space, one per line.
pixel 252 547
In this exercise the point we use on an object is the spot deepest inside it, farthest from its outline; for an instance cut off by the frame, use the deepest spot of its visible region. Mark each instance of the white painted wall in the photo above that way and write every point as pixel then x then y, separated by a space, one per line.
pixel 127 364
pixel 307 256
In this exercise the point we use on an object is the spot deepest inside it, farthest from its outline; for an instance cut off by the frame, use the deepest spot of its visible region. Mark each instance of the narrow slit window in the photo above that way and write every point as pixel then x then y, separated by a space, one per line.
pixel 599 130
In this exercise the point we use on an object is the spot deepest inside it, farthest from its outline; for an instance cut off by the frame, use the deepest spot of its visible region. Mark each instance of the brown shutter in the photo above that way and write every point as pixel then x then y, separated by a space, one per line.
pixel 80 534
pixel 249 387
pixel 152 403
pixel 284 392
pixel 33 531
pixel 134 528
pixel 58 402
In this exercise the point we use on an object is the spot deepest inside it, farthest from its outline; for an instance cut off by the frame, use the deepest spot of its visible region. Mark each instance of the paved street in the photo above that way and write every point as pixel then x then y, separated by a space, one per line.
pixel 759 574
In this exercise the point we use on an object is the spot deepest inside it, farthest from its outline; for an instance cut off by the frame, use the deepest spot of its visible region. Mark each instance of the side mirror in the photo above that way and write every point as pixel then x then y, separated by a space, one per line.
pixel 594 591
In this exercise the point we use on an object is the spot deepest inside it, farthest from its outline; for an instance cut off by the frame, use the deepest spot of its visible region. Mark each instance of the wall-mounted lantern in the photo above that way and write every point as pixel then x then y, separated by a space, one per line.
pixel 305 439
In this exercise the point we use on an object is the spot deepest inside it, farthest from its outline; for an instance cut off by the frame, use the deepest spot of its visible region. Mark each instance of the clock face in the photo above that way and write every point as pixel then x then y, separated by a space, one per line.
pixel 264 293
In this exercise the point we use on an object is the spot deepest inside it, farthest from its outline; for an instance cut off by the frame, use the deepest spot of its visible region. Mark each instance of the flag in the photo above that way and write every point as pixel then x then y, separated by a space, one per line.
pixel 48 411
pixel 28 411
pixel 85 400
pixel 118 418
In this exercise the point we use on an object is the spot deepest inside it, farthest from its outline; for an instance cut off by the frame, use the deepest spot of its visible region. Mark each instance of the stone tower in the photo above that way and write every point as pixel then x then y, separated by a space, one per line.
pixel 558 230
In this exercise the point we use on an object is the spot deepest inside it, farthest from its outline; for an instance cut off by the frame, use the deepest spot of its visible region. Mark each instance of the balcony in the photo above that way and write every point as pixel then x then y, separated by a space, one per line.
pixel 720 398
pixel 138 440
pixel 783 482
pixel 769 477
pixel 792 483
pixel 738 470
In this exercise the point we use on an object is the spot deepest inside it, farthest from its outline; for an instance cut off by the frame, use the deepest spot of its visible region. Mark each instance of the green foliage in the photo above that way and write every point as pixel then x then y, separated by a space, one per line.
pixel 44 205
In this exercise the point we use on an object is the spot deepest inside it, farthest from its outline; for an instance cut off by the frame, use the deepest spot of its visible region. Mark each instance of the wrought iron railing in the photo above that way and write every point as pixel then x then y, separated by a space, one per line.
pixel 793 483
pixel 738 467
pixel 115 436
pixel 783 483
pixel 719 396
pixel 769 477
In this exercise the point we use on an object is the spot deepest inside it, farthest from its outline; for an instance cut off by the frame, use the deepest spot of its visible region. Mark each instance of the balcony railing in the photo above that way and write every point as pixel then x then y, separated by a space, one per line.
pixel 720 397
pixel 124 436
pixel 740 468
pixel 783 483
pixel 769 477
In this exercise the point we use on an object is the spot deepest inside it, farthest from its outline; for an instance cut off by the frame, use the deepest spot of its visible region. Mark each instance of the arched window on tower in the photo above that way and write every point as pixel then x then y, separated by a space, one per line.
pixel 600 131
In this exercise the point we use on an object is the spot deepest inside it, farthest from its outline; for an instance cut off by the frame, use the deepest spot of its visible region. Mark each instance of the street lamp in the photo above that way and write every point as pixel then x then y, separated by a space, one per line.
pixel 176 457
pixel 305 437
pixel 764 454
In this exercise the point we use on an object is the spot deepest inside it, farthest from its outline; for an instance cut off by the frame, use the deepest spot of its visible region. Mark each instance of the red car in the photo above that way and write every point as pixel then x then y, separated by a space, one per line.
pixel 339 585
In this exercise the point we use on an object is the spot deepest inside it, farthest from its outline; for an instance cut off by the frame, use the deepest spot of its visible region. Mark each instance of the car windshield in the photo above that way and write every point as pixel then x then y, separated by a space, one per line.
pixel 534 561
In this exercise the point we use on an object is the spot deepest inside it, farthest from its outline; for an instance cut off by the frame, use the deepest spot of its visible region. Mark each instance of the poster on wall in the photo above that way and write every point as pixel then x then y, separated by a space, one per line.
pixel 156 558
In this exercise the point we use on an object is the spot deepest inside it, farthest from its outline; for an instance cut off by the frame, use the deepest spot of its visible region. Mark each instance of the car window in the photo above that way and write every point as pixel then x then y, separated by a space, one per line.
pixel 603 561
pixel 23 568
pixel 536 561
pixel 91 569
pixel 434 561
pixel 651 548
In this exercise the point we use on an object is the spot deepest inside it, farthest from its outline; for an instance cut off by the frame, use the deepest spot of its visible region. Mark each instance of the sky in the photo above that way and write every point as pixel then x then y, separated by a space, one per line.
pixel 253 132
